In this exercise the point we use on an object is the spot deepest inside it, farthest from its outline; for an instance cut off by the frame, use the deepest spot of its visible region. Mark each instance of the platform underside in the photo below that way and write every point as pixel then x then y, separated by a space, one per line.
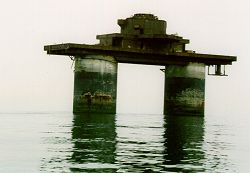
pixel 138 56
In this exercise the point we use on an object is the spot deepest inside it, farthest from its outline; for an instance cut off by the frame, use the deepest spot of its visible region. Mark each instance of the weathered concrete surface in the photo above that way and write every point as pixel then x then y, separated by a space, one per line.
pixel 95 84
pixel 184 90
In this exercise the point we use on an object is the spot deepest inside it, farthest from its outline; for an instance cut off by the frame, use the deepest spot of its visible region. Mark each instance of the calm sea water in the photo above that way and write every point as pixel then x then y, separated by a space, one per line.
pixel 63 142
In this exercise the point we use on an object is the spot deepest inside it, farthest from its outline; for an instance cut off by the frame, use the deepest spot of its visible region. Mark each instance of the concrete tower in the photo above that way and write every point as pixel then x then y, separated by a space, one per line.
pixel 142 40
pixel 95 84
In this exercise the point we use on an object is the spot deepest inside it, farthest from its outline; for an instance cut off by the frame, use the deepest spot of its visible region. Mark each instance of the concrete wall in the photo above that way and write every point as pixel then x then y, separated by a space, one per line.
pixel 184 89
pixel 95 84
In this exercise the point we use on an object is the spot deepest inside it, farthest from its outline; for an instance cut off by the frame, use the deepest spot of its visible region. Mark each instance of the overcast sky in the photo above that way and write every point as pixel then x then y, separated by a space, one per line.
pixel 31 80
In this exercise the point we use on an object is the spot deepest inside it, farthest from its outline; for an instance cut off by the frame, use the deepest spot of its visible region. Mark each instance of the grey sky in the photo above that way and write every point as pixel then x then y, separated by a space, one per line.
pixel 34 81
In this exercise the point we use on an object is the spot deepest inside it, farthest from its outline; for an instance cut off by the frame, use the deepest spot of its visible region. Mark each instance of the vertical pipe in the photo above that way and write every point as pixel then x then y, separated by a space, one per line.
pixel 95 84
pixel 184 89
pixel 218 69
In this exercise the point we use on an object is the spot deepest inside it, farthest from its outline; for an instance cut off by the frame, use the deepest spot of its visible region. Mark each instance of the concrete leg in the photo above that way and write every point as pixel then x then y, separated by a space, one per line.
pixel 95 84
pixel 184 89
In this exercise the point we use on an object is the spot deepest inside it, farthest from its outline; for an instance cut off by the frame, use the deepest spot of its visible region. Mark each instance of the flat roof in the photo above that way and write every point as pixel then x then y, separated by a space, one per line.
pixel 165 37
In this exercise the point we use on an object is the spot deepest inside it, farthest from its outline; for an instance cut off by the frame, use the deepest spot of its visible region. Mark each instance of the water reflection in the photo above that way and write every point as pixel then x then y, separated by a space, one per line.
pixel 140 143
pixel 135 143
pixel 183 143
pixel 94 139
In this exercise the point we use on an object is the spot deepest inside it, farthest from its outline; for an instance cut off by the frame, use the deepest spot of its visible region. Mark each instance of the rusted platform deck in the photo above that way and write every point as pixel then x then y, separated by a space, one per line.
pixel 138 56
